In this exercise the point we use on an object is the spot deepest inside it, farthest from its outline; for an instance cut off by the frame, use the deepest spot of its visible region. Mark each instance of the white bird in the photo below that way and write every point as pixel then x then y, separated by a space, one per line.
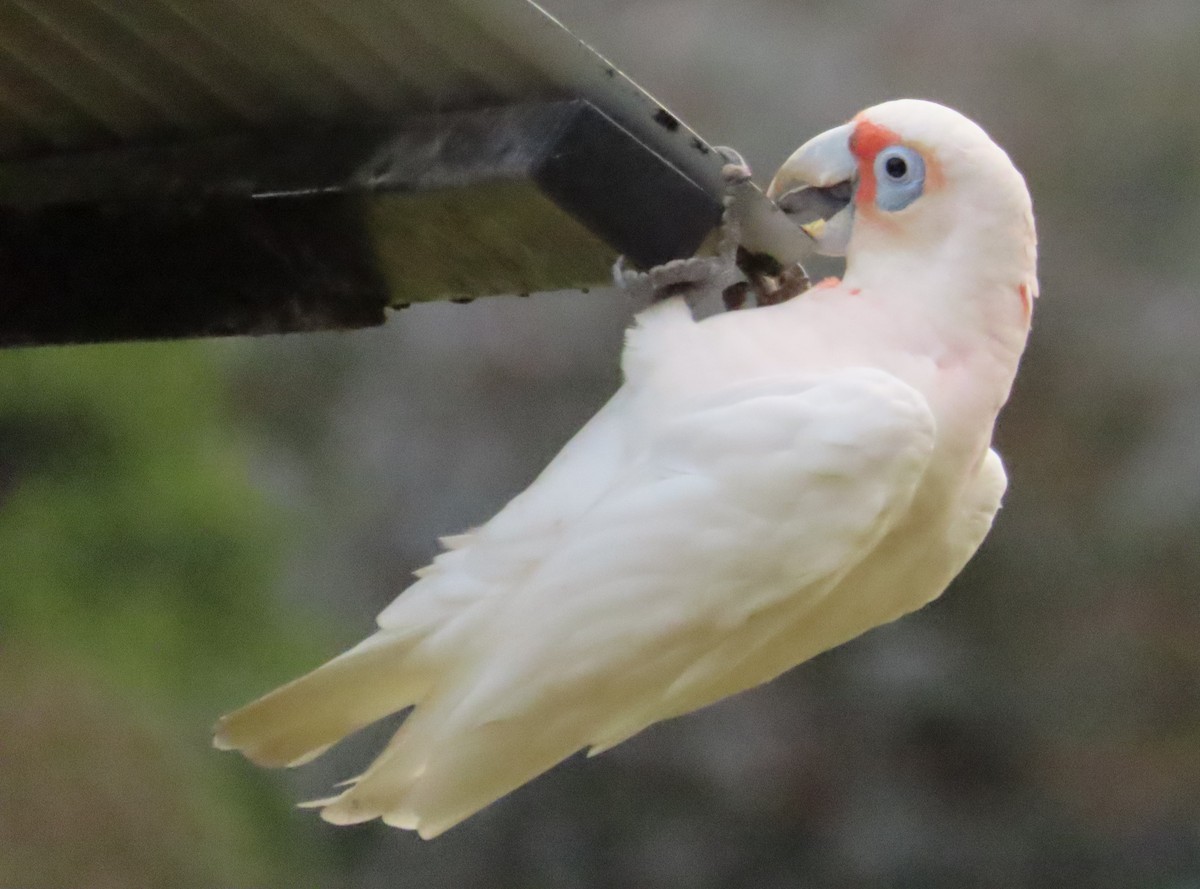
pixel 765 485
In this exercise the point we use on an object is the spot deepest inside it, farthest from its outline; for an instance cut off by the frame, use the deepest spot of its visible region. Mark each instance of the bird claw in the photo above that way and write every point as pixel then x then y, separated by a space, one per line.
pixel 733 271
pixel 736 170
pixel 788 284
pixel 690 277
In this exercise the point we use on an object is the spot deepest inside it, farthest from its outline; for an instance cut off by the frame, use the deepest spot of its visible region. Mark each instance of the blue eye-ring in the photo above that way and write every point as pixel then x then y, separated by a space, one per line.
pixel 899 177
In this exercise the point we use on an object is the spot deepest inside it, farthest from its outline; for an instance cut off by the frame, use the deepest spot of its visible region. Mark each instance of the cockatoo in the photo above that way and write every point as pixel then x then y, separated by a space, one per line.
pixel 765 485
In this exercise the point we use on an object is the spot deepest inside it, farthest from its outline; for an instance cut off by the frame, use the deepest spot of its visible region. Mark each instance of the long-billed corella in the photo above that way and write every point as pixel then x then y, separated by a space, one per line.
pixel 765 485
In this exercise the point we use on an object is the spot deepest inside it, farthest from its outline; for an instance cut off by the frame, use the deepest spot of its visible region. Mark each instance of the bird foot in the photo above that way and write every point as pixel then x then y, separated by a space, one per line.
pixel 691 278
pixel 732 270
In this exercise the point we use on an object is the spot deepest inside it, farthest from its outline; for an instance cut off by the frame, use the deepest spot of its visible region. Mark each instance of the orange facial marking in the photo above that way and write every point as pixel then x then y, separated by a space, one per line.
pixel 855 291
pixel 870 138
pixel 827 282
pixel 934 177
pixel 867 140
pixel 1026 299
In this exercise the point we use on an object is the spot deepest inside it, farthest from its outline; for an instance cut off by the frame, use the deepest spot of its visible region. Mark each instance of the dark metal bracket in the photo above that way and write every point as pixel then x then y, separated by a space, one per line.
pixel 271 233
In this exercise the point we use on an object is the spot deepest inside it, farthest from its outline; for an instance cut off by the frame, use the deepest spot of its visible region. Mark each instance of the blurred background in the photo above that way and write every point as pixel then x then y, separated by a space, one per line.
pixel 184 526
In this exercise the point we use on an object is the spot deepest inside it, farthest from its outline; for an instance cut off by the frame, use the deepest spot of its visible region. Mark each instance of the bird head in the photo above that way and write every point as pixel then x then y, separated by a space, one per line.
pixel 911 178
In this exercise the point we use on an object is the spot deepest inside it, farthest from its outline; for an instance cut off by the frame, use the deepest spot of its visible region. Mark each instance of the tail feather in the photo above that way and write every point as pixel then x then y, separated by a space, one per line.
pixel 488 763
pixel 299 721
pixel 430 780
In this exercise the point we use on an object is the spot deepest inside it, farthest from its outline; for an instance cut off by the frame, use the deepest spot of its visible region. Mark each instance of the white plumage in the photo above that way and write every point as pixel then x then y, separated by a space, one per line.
pixel 766 485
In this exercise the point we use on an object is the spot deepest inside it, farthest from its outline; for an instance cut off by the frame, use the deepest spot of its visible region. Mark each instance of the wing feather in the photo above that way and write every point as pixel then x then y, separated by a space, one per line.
pixel 647 588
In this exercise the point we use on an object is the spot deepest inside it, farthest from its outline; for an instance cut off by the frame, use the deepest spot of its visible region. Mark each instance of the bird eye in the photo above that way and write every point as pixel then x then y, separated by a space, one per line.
pixel 900 177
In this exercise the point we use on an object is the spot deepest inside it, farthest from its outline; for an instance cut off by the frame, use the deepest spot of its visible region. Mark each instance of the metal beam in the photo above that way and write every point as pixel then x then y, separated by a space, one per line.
pixel 266 233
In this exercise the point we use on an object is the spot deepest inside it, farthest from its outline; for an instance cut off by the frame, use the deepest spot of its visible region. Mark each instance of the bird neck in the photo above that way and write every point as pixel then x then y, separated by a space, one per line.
pixel 973 293
pixel 956 320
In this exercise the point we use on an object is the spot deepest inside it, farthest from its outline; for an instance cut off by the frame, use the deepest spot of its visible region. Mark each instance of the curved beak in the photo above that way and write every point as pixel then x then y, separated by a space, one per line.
pixel 815 187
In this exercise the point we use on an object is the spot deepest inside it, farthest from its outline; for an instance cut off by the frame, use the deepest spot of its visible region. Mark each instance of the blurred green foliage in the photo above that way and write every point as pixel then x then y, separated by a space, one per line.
pixel 136 565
